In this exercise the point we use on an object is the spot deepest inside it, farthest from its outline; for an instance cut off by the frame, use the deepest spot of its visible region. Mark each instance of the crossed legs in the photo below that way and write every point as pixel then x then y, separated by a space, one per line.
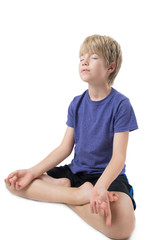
pixel 123 219
pixel 49 189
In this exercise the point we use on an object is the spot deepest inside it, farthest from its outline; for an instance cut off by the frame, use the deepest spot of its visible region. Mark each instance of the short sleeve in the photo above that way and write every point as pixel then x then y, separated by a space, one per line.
pixel 70 116
pixel 125 119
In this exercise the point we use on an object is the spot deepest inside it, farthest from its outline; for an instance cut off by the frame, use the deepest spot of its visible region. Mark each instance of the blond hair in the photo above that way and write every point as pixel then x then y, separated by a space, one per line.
pixel 108 48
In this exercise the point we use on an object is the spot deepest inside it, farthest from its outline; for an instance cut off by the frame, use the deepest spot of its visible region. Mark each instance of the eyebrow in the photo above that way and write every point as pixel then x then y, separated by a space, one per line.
pixel 90 54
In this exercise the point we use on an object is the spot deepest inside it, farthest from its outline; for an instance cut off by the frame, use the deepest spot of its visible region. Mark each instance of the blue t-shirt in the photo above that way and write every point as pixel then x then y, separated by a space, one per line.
pixel 95 123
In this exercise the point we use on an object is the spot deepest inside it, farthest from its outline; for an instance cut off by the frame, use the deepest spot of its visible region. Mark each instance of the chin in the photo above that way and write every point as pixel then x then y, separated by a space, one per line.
pixel 86 80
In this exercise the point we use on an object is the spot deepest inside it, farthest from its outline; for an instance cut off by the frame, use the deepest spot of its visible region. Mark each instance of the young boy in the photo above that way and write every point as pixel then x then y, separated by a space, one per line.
pixel 94 185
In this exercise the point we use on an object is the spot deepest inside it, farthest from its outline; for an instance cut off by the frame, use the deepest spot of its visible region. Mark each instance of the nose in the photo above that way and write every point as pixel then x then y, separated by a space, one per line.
pixel 85 62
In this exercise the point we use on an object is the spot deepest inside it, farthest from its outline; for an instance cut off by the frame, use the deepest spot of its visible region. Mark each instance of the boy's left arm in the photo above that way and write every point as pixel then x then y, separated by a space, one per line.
pixel 99 198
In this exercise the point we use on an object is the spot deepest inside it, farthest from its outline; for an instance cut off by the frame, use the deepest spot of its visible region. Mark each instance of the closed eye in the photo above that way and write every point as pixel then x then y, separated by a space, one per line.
pixel 81 59
pixel 94 56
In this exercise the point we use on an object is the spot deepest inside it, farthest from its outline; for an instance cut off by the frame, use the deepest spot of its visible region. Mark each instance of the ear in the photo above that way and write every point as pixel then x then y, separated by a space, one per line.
pixel 111 67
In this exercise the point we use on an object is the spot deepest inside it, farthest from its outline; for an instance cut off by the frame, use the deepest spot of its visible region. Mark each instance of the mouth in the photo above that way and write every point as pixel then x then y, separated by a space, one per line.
pixel 85 70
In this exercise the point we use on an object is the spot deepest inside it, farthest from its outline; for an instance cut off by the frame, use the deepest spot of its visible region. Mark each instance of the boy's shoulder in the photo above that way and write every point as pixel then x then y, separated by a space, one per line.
pixel 77 98
pixel 80 95
pixel 115 96
pixel 119 96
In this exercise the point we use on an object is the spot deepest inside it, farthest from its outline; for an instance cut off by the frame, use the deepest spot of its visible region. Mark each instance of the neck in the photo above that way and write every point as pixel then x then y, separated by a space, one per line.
pixel 97 93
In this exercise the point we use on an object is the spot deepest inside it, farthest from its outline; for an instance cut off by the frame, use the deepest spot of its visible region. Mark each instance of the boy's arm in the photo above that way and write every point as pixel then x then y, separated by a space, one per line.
pixel 117 161
pixel 21 178
pixel 115 166
pixel 57 155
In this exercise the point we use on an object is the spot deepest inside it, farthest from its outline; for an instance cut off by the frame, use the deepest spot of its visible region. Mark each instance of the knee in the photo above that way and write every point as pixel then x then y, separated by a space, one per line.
pixel 20 193
pixel 11 189
pixel 121 235
pixel 121 232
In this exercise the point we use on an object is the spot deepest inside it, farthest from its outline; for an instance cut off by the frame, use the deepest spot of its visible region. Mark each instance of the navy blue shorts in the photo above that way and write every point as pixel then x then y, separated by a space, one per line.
pixel 120 184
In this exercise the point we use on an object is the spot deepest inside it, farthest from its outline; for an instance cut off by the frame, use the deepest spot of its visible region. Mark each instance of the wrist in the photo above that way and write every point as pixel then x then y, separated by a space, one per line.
pixel 101 184
pixel 33 172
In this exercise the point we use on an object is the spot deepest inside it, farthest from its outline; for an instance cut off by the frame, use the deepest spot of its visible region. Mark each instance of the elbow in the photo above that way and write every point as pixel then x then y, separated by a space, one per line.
pixel 120 159
pixel 120 156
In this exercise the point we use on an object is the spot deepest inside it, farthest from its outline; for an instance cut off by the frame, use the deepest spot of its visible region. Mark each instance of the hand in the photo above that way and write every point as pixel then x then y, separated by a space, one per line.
pixel 19 179
pixel 100 202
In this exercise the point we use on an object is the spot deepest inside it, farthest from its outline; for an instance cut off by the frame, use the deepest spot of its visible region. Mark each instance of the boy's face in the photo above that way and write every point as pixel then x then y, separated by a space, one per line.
pixel 92 69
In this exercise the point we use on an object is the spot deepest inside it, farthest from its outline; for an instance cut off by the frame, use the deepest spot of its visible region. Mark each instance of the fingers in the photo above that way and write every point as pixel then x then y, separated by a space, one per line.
pixel 108 215
pixel 102 208
pixel 12 180
pixel 100 203
pixel 96 207
pixel 10 177
pixel 112 196
pixel 93 207
pixel 107 212
pixel 12 174
pixel 115 197
pixel 18 186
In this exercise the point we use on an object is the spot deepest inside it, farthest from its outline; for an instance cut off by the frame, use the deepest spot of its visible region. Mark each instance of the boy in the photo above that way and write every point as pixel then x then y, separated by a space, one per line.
pixel 98 125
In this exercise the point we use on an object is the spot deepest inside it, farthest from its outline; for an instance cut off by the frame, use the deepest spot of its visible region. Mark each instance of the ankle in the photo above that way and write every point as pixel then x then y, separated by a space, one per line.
pixel 81 196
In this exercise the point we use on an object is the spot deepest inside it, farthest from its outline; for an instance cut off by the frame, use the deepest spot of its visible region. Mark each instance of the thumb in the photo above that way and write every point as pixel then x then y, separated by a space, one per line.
pixel 18 186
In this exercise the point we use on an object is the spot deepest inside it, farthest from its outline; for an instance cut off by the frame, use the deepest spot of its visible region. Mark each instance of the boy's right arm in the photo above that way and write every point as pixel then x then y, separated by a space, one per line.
pixel 22 178
pixel 57 155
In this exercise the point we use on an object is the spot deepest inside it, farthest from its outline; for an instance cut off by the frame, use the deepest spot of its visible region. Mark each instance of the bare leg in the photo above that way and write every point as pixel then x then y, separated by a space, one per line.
pixel 44 191
pixel 123 219
pixel 56 181
pixel 78 200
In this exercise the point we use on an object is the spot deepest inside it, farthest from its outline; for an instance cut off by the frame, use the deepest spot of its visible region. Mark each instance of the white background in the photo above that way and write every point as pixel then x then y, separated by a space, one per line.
pixel 39 45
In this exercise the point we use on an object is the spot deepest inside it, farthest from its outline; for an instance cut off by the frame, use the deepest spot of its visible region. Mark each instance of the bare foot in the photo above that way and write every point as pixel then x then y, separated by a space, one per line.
pixel 56 181
pixel 84 192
